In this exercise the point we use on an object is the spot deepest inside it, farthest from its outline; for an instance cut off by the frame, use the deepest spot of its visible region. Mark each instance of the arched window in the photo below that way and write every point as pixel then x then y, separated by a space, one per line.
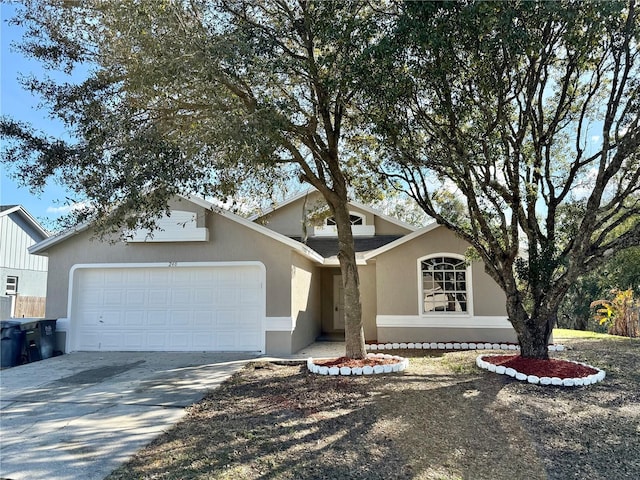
pixel 444 285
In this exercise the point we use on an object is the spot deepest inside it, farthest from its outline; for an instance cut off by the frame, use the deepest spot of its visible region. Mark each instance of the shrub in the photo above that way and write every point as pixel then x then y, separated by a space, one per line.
pixel 620 315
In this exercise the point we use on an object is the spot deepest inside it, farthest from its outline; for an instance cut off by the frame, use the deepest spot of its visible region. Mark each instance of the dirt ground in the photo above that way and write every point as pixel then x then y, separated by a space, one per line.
pixel 443 418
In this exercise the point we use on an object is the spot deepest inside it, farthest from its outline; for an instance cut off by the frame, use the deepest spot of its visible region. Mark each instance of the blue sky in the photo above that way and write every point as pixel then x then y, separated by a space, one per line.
pixel 21 105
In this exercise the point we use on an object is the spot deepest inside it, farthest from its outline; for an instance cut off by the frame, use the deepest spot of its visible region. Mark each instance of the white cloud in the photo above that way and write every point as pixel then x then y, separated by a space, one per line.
pixel 64 209
pixel 595 138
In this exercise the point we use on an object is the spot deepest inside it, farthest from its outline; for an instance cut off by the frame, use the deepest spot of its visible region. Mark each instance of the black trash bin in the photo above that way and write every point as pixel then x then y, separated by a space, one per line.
pixel 40 339
pixel 12 343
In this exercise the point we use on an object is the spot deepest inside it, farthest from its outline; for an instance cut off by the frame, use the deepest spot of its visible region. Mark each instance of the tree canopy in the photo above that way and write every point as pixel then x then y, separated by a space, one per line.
pixel 201 97
pixel 515 124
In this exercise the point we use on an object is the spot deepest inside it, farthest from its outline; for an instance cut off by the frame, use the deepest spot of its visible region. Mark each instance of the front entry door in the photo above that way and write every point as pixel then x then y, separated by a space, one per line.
pixel 338 303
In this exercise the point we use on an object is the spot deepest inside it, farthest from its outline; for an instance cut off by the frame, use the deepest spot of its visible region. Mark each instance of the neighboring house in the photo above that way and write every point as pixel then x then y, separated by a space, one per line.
pixel 210 280
pixel 23 276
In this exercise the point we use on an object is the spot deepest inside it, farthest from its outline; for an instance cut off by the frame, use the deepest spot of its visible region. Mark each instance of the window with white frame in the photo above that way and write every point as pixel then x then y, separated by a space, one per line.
pixel 359 227
pixel 354 219
pixel 12 286
pixel 444 285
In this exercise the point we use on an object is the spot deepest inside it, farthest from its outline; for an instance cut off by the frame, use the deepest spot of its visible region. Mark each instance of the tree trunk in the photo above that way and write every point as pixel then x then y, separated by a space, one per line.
pixel 353 331
pixel 533 333
pixel 534 342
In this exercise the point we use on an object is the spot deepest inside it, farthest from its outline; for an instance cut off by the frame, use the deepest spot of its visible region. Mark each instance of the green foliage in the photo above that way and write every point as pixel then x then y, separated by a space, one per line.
pixel 529 122
pixel 620 315
pixel 211 98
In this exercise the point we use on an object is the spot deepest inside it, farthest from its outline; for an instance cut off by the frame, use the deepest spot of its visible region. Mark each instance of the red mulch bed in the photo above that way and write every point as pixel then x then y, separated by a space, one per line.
pixel 542 368
pixel 350 362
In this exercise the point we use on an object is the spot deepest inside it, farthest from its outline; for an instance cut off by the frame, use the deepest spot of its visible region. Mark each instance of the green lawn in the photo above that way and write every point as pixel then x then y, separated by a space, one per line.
pixel 564 333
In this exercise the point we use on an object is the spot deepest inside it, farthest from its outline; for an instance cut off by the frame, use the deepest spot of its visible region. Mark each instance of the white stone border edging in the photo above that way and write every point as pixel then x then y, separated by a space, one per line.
pixel 400 366
pixel 451 346
pixel 562 382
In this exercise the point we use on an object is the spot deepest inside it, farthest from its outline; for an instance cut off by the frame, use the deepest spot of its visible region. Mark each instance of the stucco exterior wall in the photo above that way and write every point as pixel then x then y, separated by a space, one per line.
pixel 367 275
pixel 228 241
pixel 397 276
pixel 287 219
pixel 384 227
pixel 368 300
pixel 305 302
pixel 443 334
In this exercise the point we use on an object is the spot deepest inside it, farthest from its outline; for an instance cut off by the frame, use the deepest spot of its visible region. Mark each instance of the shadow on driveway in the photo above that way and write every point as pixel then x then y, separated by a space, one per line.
pixel 83 414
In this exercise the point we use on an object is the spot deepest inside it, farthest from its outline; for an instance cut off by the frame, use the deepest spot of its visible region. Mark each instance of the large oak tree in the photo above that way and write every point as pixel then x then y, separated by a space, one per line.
pixel 200 97
pixel 516 125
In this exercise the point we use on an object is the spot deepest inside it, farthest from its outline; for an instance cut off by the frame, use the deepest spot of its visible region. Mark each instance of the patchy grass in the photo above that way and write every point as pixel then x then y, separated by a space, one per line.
pixel 443 418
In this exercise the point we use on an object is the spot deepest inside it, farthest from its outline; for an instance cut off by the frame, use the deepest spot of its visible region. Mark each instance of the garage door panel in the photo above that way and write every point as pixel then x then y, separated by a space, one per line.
pixel 179 318
pixel 133 276
pixel 91 297
pixel 111 318
pixel 132 339
pixel 158 297
pixel 135 317
pixel 159 276
pixel 205 308
pixel 204 318
pixel 157 318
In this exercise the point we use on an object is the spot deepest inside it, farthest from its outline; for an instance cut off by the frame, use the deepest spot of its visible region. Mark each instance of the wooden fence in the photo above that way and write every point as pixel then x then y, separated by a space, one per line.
pixel 30 307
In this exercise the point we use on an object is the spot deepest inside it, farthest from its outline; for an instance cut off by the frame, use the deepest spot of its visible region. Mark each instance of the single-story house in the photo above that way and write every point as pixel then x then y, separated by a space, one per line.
pixel 210 280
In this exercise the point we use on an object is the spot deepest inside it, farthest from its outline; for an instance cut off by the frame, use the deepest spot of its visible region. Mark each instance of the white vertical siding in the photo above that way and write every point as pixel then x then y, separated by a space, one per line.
pixel 14 244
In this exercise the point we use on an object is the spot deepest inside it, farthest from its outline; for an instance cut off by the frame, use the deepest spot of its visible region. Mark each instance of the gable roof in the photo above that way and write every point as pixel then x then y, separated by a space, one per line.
pixel 400 241
pixel 41 247
pixel 358 205
pixel 328 246
pixel 7 210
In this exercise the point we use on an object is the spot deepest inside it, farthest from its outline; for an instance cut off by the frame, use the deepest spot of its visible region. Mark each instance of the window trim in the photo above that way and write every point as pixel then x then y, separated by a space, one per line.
pixel 469 289
pixel 363 230
pixel 13 291
pixel 362 218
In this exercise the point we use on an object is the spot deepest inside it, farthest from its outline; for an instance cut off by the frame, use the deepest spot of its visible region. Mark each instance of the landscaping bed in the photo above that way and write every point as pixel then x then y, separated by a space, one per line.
pixel 442 418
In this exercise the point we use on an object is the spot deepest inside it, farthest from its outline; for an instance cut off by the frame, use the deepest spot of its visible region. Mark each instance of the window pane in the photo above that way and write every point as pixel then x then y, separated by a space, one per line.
pixel 355 220
pixel 444 284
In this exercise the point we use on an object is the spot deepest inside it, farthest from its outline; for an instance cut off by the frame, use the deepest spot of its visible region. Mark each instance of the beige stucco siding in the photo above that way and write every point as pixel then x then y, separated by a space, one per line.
pixel 305 302
pixel 443 334
pixel 384 227
pixel 228 242
pixel 397 276
pixel 288 219
pixel 367 274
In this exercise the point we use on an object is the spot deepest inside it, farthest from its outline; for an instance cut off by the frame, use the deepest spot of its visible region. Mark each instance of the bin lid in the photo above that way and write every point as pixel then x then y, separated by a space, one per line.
pixel 9 323
pixel 28 322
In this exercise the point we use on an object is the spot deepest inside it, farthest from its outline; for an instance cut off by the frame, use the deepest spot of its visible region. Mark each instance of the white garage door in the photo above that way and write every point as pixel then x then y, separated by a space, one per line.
pixel 178 308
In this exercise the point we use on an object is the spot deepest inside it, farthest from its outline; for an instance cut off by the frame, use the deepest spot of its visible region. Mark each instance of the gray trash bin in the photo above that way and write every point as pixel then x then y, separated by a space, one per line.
pixel 40 339
pixel 11 343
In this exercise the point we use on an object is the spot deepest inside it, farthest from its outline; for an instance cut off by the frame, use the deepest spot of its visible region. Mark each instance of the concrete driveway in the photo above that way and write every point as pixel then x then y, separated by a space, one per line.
pixel 83 414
